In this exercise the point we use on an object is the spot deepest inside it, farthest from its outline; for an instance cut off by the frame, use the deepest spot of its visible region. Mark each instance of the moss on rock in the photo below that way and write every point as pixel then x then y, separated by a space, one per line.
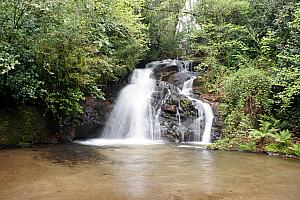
pixel 25 124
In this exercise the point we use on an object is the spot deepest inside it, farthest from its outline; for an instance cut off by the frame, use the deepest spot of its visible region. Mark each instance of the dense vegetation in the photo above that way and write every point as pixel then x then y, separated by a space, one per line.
pixel 250 52
pixel 55 53
pixel 161 18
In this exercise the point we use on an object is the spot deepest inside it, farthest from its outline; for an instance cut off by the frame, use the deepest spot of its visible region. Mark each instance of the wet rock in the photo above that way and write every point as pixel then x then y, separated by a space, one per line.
pixel 166 70
pixel 92 121
pixel 178 112
pixel 24 145
pixel 218 123
pixel 169 108
pixel 180 78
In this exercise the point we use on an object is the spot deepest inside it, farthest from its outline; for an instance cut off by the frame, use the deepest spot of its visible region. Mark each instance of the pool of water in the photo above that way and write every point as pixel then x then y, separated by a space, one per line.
pixel 159 171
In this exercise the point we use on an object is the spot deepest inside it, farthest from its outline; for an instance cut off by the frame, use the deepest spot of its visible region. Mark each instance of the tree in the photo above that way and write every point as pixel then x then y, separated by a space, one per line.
pixel 162 17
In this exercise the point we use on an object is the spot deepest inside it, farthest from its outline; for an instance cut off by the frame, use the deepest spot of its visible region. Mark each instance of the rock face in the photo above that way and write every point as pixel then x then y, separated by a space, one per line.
pixel 96 112
pixel 93 119
pixel 171 71
pixel 177 111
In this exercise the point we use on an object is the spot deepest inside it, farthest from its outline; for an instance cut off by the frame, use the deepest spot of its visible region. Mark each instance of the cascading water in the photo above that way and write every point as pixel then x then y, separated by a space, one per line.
pixel 132 116
pixel 187 88
pixel 205 113
pixel 149 110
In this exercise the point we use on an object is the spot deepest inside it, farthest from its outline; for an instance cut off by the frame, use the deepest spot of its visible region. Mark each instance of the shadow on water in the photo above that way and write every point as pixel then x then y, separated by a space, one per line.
pixel 71 154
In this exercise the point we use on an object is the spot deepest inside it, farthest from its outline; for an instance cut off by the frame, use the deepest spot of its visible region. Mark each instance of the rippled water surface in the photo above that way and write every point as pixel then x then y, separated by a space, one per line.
pixel 144 172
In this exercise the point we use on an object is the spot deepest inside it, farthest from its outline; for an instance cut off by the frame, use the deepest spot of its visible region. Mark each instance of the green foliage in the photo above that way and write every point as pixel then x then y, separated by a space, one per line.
pixel 250 146
pixel 276 124
pixel 220 11
pixel 64 105
pixel 24 124
pixel 270 139
pixel 246 95
pixel 274 148
pixel 235 122
pixel 296 149
pixel 230 44
pixel 284 137
pixel 250 88
pixel 8 61
pixel 161 16
pixel 188 108
pixel 280 50
pixel 250 55
pixel 263 14
pixel 234 142
pixel 56 52
pixel 25 86
pixel 263 132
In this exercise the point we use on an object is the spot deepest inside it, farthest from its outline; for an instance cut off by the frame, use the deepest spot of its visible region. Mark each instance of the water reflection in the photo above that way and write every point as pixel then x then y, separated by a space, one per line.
pixel 171 170
pixel 206 163
pixel 145 172
pixel 132 173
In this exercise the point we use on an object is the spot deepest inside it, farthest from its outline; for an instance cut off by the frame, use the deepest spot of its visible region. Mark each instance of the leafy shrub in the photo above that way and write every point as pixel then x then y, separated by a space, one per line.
pixel 8 61
pixel 66 104
pixel 236 122
pixel 250 146
pixel 249 88
pixel 296 149
pixel 250 55
pixel 283 137
pixel 25 86
pixel 234 142
pixel 54 53
pixel 270 140
pixel 273 148
pixel 246 95
pixel 264 132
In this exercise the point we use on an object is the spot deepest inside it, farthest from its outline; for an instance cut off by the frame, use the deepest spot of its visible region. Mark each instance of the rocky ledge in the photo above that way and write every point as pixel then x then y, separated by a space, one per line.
pixel 177 111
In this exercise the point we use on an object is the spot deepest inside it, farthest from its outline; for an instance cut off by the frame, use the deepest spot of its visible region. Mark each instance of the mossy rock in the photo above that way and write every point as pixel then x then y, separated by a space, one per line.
pixel 24 124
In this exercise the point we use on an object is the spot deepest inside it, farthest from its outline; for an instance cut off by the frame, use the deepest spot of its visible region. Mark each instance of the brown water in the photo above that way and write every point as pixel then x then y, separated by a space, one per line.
pixel 144 172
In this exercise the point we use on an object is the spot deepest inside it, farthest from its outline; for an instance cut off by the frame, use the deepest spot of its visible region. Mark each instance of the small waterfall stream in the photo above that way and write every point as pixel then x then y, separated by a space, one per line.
pixel 205 113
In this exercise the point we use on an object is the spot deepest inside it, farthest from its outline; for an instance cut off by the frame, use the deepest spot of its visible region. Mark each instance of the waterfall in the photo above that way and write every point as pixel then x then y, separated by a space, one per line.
pixel 205 114
pixel 187 88
pixel 133 116
pixel 149 110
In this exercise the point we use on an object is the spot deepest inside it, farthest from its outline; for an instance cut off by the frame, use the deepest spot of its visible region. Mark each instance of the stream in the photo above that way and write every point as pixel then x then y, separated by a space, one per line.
pixel 157 171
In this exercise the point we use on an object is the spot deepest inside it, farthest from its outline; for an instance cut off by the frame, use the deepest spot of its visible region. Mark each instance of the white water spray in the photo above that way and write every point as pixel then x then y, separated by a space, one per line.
pixel 132 116
pixel 187 88
pixel 205 114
